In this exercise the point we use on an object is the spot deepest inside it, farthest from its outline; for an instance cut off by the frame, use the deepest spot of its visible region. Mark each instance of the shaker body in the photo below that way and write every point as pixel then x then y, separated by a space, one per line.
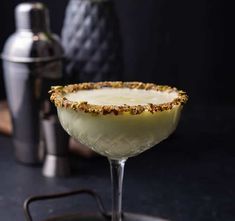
pixel 23 100
pixel 28 99
pixel 27 81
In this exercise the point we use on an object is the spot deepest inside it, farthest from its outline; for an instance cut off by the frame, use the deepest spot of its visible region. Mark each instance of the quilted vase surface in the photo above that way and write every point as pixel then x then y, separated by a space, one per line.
pixel 91 40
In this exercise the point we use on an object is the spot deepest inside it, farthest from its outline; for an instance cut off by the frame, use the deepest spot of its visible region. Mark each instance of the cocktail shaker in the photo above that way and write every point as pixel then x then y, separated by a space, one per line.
pixel 32 62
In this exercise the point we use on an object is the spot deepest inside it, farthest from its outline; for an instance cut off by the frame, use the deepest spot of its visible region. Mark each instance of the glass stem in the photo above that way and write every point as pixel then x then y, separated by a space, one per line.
pixel 117 171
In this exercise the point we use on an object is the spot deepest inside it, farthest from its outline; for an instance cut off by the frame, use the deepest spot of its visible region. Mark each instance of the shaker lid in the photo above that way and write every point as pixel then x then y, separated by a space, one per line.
pixel 35 43
pixel 33 16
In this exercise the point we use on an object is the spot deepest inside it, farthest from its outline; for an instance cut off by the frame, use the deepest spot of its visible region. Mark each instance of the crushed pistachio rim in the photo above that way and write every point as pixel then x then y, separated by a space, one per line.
pixel 58 98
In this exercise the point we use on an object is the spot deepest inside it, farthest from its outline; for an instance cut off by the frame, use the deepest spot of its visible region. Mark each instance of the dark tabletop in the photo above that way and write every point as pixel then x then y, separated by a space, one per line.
pixel 188 177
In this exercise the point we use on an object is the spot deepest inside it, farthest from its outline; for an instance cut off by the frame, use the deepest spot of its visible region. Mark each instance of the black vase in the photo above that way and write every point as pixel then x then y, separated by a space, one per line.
pixel 91 40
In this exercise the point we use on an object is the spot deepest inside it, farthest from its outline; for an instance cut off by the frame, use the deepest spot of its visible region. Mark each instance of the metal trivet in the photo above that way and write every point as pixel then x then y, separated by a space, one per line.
pixel 102 214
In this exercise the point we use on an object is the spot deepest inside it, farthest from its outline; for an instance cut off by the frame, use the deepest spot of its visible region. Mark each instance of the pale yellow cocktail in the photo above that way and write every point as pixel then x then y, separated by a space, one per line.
pixel 118 119
pixel 122 135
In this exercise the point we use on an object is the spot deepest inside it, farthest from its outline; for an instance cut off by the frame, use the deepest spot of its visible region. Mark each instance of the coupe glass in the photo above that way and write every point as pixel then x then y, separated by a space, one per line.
pixel 118 120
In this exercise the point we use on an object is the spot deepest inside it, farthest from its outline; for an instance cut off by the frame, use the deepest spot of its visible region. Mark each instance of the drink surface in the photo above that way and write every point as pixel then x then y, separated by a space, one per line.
pixel 123 135
pixel 120 96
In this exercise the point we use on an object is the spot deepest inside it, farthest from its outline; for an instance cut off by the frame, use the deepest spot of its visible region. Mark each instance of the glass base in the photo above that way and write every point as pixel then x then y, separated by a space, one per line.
pixel 99 217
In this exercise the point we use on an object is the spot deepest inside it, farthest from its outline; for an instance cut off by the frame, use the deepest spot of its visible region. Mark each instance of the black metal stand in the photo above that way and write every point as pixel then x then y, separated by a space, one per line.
pixel 103 215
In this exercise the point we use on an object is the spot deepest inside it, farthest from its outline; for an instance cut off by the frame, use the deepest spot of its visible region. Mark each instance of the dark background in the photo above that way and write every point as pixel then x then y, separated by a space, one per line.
pixel 188 44
pixel 191 175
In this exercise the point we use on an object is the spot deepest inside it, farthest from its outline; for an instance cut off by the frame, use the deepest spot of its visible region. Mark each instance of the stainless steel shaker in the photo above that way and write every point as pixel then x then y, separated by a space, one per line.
pixel 32 62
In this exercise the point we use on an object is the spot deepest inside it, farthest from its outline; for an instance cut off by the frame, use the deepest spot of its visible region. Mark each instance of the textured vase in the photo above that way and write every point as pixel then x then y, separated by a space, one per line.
pixel 91 40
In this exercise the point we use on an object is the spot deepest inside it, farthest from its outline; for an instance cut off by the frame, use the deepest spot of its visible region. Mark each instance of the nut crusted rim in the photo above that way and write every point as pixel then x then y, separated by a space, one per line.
pixel 58 98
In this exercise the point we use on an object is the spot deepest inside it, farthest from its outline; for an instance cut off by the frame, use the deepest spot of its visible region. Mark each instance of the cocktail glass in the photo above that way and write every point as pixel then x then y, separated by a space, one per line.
pixel 118 120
